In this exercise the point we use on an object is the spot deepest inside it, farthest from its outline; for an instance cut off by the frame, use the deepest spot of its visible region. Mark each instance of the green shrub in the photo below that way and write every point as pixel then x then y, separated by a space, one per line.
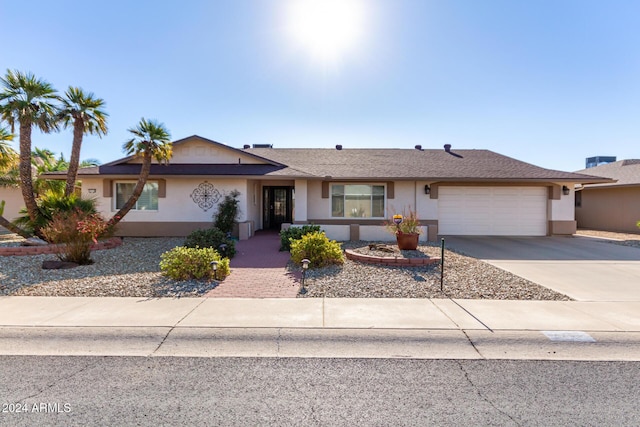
pixel 295 233
pixel 318 249
pixel 228 210
pixel 211 238
pixel 182 263
pixel 49 204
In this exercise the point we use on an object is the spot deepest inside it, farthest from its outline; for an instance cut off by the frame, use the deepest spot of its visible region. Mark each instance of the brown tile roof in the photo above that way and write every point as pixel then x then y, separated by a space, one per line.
pixel 459 165
pixel 625 172
pixel 357 164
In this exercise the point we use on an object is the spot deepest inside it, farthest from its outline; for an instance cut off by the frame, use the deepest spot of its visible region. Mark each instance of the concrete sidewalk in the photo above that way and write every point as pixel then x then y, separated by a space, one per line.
pixel 322 327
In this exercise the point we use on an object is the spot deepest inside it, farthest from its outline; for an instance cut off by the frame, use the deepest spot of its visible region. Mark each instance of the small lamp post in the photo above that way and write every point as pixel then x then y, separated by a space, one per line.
pixel 223 249
pixel 214 266
pixel 305 267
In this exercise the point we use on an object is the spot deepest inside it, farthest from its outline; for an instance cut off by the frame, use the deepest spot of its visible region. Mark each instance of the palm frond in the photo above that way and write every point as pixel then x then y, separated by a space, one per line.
pixel 151 137
pixel 78 106
pixel 25 97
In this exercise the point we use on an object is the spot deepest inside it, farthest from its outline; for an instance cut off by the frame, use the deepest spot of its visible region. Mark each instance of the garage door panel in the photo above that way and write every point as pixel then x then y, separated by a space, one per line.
pixel 493 211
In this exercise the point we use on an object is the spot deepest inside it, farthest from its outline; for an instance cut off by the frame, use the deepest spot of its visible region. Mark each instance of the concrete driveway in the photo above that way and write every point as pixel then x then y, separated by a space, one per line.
pixel 585 269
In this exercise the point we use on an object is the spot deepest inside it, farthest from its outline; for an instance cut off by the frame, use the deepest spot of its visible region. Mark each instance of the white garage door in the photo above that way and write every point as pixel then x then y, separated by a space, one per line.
pixel 492 211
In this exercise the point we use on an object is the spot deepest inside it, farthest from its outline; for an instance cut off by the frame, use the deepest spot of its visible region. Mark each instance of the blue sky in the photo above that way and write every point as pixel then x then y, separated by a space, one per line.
pixel 547 82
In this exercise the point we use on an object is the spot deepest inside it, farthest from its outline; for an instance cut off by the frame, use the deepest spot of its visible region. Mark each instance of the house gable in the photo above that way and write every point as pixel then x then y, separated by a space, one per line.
pixel 198 150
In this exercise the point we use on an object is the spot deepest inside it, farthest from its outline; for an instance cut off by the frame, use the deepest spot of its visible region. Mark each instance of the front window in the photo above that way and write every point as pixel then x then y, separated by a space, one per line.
pixel 148 200
pixel 357 201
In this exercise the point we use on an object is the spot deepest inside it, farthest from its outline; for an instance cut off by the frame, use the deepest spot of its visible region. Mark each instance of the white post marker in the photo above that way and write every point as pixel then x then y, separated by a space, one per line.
pixel 569 336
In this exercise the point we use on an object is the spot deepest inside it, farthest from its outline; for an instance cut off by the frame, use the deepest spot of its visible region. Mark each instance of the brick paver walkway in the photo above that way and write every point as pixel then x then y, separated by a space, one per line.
pixel 258 271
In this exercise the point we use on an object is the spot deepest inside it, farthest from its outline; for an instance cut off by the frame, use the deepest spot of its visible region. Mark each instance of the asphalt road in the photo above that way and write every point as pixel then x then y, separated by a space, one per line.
pixel 80 391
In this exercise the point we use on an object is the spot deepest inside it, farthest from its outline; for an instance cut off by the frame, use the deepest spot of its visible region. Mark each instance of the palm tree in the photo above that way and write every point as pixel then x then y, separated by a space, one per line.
pixel 8 159
pixel 43 161
pixel 27 101
pixel 8 177
pixel 151 140
pixel 83 112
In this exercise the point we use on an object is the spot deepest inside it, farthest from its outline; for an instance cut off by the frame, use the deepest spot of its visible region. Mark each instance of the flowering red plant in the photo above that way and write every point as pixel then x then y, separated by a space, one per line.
pixel 93 225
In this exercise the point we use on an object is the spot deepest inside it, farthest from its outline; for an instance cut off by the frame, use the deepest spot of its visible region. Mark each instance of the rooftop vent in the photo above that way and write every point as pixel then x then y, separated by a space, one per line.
pixel 418 147
pixel 338 147
pixel 262 145
pixel 246 146
pixel 447 148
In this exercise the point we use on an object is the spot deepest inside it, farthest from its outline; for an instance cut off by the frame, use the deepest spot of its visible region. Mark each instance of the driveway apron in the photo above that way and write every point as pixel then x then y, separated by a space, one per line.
pixel 585 269
pixel 258 271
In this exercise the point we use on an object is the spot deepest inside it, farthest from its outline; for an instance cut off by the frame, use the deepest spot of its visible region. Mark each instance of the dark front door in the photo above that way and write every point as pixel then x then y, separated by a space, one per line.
pixel 278 206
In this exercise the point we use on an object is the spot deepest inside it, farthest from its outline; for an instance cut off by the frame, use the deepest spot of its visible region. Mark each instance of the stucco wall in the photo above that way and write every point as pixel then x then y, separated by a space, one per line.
pixel 317 207
pixel 177 206
pixel 253 213
pixel 13 201
pixel 426 206
pixel 563 209
pixel 610 209
pixel 405 196
pixel 380 233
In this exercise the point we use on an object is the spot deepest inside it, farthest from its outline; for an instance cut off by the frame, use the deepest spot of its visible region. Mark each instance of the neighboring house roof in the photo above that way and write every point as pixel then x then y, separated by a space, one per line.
pixel 350 164
pixel 625 173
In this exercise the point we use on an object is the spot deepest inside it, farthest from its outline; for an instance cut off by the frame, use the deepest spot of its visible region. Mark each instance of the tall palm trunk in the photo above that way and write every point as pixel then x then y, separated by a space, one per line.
pixel 13 228
pixel 26 182
pixel 72 172
pixel 137 191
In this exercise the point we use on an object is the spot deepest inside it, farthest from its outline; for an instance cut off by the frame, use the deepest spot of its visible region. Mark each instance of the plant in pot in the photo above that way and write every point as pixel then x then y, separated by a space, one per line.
pixel 407 230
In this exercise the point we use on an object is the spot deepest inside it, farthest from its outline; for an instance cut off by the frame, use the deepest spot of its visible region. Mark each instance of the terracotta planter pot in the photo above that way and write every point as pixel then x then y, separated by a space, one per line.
pixel 407 241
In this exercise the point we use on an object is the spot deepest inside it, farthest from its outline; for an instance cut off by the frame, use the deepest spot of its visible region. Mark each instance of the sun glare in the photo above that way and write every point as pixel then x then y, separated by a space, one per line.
pixel 326 29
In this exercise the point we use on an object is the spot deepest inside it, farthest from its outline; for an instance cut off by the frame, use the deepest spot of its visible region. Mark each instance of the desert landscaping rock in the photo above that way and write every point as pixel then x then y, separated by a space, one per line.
pixel 465 278
pixel 132 270
pixel 624 239
pixel 57 265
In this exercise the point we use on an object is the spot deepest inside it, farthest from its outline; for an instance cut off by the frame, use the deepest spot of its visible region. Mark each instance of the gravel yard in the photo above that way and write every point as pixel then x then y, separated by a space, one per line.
pixel 132 270
pixel 465 278
pixel 625 239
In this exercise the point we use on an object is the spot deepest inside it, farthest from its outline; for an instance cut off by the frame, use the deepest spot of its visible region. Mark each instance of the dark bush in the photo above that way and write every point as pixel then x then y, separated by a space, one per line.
pixel 212 238
pixel 295 233
pixel 228 210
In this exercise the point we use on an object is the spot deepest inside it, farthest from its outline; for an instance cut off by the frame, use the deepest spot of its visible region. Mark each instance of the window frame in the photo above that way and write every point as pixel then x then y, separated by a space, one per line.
pixel 371 185
pixel 134 182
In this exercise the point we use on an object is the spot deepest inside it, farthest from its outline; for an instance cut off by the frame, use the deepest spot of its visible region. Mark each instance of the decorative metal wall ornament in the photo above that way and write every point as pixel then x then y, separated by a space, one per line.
pixel 205 196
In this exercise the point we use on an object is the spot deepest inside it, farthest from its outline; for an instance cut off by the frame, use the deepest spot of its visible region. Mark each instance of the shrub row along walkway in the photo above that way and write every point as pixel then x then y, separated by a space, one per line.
pixel 258 271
